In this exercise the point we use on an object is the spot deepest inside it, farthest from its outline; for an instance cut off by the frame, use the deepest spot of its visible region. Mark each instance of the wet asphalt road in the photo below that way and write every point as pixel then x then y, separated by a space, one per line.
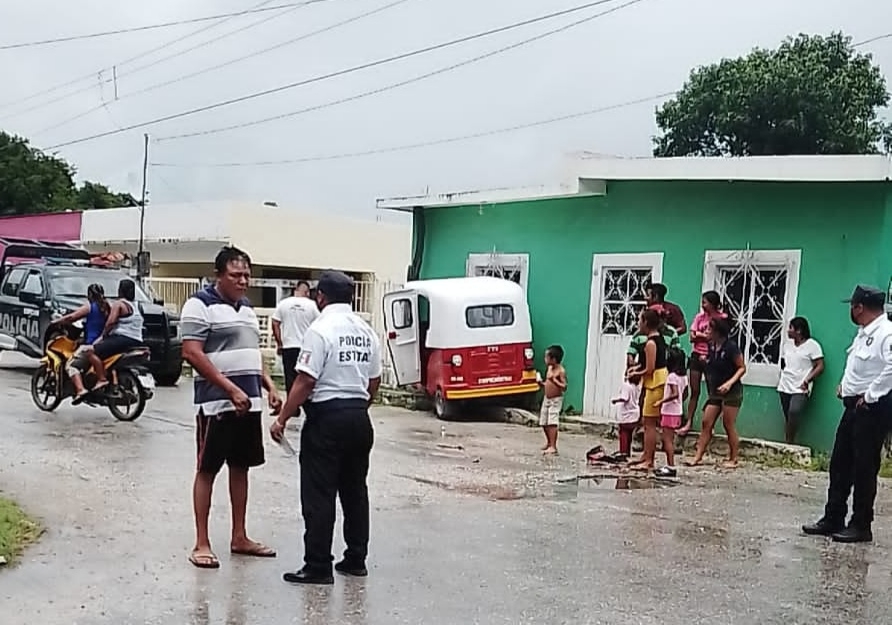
pixel 483 534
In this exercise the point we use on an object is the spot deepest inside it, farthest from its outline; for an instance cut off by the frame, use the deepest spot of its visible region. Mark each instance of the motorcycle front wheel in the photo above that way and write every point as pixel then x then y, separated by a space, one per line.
pixel 45 389
pixel 127 401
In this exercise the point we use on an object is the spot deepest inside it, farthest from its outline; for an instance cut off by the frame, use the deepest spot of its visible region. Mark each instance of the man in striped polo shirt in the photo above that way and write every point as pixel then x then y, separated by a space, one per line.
pixel 221 340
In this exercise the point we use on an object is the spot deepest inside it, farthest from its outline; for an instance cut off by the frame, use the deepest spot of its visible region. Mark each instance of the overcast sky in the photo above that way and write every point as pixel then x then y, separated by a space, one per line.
pixel 636 52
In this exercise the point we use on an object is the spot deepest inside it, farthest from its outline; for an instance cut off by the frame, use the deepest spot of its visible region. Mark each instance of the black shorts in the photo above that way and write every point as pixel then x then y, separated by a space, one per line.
pixel 289 368
pixel 731 399
pixel 228 438
pixel 289 365
pixel 115 344
pixel 697 363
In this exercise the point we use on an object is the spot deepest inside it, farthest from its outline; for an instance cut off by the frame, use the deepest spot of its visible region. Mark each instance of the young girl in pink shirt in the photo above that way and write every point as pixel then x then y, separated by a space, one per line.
pixel 672 408
pixel 711 304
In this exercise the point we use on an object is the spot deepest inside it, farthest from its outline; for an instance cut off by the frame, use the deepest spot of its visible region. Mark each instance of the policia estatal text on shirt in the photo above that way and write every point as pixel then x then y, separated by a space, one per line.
pixel 866 393
pixel 339 370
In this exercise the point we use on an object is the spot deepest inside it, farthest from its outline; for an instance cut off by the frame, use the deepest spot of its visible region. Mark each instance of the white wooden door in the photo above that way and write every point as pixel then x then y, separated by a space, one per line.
pixel 617 297
pixel 401 324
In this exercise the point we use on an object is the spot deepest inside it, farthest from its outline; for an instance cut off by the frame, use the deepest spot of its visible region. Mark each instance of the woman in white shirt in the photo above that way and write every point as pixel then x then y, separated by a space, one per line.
pixel 802 361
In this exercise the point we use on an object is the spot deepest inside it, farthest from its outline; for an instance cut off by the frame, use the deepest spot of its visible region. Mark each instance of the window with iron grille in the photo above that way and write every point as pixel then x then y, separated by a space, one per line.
pixel 758 291
pixel 498 265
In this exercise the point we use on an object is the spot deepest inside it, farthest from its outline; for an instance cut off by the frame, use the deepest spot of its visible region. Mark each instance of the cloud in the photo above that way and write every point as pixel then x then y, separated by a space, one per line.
pixel 645 49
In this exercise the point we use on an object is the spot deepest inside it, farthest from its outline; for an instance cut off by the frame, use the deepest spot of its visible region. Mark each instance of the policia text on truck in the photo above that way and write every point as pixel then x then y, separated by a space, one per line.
pixel 41 281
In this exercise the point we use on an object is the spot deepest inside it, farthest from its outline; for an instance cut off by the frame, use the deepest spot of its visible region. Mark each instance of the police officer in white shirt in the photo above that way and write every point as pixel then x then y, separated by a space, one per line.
pixel 857 452
pixel 291 320
pixel 339 371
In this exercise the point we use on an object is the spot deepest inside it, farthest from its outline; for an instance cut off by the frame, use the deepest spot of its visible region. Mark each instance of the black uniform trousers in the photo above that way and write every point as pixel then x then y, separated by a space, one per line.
pixel 289 368
pixel 855 462
pixel 335 444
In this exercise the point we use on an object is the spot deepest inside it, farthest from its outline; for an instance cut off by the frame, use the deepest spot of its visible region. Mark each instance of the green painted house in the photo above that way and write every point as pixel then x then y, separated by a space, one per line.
pixel 776 236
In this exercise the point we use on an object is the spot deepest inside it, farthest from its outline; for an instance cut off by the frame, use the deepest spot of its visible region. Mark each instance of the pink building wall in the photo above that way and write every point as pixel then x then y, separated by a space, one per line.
pixel 44 226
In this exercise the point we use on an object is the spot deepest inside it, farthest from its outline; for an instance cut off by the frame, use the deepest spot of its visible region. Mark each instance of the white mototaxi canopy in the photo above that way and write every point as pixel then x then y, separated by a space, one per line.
pixel 453 301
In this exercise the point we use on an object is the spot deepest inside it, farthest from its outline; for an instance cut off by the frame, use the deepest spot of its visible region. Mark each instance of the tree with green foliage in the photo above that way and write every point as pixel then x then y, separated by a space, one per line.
pixel 34 182
pixel 812 95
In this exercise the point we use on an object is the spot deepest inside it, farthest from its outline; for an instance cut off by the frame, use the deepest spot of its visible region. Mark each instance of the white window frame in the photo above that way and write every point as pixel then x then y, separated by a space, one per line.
pixel 518 261
pixel 758 374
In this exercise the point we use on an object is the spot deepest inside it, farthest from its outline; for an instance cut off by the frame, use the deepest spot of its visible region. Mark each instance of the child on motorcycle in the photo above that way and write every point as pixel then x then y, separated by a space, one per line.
pixel 95 313
pixel 122 331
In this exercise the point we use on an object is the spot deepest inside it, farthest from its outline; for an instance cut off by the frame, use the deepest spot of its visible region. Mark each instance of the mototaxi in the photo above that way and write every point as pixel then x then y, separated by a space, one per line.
pixel 462 339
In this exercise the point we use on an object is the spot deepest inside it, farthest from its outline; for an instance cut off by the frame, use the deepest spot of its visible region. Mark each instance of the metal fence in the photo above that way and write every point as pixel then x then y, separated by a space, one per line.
pixel 367 305
pixel 174 291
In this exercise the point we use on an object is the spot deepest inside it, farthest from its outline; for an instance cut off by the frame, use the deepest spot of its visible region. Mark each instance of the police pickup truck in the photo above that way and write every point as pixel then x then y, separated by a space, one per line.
pixel 47 280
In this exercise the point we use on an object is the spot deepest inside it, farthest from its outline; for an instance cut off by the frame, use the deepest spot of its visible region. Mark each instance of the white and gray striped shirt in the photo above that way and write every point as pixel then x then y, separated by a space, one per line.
pixel 231 337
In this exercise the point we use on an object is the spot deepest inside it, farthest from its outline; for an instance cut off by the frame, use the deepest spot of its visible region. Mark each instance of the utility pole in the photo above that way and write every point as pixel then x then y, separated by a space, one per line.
pixel 140 256
pixel 142 203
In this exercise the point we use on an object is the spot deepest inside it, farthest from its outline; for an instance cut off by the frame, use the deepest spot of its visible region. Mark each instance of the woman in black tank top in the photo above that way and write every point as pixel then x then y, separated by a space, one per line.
pixel 653 374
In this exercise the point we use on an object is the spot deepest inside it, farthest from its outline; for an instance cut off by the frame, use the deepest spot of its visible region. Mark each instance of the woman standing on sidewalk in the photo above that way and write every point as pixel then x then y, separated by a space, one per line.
pixel 711 308
pixel 724 369
pixel 801 363
pixel 653 372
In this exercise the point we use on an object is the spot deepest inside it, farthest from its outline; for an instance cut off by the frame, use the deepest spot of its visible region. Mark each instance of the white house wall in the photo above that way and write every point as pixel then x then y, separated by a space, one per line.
pixel 177 222
pixel 277 236
pixel 293 238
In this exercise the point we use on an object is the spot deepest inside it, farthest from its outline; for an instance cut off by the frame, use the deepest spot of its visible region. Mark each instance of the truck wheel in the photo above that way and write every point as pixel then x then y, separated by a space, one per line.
pixel 530 401
pixel 442 406
pixel 167 379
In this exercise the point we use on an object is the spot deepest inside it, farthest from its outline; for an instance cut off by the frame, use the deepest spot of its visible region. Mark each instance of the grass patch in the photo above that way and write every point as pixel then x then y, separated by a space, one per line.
pixel 820 463
pixel 16 530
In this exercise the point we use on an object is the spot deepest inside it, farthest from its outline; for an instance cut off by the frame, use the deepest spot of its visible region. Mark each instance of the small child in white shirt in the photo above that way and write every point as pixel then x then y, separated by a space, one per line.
pixel 629 412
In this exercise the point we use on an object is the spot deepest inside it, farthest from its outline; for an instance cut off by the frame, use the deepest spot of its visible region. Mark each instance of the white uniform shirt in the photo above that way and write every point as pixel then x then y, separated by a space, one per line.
pixel 342 352
pixel 798 363
pixel 295 314
pixel 869 362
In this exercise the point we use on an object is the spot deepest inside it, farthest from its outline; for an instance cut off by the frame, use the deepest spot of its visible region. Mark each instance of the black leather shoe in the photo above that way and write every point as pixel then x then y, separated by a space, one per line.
pixel 304 576
pixel 822 527
pixel 853 535
pixel 351 568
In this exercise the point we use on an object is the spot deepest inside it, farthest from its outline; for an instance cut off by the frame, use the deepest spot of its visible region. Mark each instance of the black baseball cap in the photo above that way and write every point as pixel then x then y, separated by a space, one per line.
pixel 867 296
pixel 336 285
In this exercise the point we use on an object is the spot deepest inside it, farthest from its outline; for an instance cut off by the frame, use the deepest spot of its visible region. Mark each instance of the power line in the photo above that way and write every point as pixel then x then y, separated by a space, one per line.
pixel 425 144
pixel 403 83
pixel 455 139
pixel 163 46
pixel 241 29
pixel 308 35
pixel 226 63
pixel 350 70
pixel 134 29
pixel 872 40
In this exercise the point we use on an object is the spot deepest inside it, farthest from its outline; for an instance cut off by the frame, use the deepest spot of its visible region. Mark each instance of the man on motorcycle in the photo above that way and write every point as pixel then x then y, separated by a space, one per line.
pixel 122 332
pixel 94 312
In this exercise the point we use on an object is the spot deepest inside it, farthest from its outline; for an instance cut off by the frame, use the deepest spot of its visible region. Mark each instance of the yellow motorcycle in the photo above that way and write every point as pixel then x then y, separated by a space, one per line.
pixel 130 383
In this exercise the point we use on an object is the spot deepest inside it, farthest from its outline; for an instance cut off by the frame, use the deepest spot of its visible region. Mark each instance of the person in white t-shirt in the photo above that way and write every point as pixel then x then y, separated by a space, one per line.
pixel 802 360
pixel 291 319
pixel 629 412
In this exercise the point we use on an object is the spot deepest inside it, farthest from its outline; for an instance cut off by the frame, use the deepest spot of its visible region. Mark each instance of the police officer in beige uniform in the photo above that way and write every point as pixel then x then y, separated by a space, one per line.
pixel 857 452
pixel 338 373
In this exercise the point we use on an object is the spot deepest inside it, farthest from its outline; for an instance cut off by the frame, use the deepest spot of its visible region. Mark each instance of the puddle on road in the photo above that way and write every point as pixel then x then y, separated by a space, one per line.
pixel 572 486
pixel 568 488
pixel 496 492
